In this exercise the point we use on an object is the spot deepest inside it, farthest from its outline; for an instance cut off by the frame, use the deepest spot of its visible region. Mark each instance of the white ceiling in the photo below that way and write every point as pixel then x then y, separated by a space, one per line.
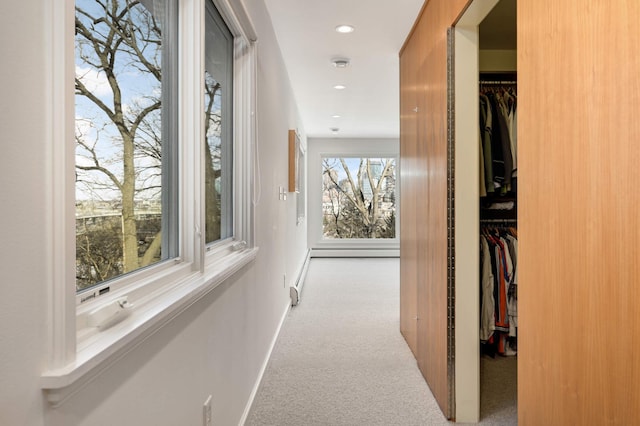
pixel 369 106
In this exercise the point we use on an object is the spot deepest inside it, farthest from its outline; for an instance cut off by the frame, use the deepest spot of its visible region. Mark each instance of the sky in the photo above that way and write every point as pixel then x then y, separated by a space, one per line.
pixel 139 89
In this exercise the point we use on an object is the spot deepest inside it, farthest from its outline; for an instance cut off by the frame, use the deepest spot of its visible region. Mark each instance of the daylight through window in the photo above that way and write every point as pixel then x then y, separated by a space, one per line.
pixel 124 119
pixel 358 198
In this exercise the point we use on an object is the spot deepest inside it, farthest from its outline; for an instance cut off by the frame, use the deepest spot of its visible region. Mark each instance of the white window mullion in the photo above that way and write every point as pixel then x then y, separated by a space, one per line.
pixel 192 13
pixel 244 133
pixel 250 158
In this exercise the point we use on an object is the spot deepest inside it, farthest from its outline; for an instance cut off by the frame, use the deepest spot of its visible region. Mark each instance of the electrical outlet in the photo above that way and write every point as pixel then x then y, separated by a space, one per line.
pixel 206 412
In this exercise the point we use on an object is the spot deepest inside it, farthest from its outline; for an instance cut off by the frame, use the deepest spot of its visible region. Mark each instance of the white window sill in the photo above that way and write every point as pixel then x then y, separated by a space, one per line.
pixel 106 347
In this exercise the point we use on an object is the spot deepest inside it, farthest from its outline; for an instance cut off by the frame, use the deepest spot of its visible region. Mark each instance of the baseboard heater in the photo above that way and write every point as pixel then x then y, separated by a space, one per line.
pixel 295 291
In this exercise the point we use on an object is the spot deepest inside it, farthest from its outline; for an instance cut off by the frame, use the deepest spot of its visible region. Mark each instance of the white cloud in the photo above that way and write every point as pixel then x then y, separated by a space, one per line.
pixel 95 81
pixel 84 126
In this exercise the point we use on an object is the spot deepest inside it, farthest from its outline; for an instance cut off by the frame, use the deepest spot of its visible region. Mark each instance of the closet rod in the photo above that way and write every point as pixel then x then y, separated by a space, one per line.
pixel 499 221
pixel 498 82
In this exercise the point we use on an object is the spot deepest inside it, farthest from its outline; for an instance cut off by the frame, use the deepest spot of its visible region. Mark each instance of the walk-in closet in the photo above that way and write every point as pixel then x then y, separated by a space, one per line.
pixel 465 341
pixel 572 210
pixel 485 86
pixel 498 206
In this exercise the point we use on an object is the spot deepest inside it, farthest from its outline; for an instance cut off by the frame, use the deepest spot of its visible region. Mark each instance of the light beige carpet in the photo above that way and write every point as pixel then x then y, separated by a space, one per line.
pixel 340 358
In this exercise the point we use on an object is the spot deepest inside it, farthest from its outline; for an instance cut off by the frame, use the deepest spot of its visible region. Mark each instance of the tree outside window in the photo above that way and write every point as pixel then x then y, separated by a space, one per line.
pixel 358 198
pixel 121 122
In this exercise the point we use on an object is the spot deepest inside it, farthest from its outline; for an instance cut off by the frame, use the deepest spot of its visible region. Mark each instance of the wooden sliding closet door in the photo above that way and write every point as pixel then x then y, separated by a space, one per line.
pixel 424 196
pixel 408 210
pixel 579 226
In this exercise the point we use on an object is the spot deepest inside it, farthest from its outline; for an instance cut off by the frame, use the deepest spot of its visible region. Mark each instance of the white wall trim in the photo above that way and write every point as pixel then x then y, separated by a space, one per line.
pixel 61 324
pixel 235 14
pixel 265 363
pixel 59 384
pixel 355 253
pixel 467 216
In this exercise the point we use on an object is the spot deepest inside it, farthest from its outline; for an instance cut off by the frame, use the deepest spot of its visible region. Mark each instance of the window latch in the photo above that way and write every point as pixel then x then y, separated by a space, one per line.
pixel 109 314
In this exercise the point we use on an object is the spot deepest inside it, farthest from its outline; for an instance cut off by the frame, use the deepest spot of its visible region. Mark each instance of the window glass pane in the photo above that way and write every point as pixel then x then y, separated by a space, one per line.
pixel 218 127
pixel 122 116
pixel 358 197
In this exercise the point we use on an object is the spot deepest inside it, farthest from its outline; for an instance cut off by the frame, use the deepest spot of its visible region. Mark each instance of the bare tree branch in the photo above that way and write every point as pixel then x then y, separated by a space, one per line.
pixel 358 205
pixel 122 36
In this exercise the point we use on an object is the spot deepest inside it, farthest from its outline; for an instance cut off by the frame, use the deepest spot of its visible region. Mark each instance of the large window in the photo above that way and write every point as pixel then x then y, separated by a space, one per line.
pixel 160 169
pixel 125 133
pixel 353 197
pixel 358 197
pixel 126 136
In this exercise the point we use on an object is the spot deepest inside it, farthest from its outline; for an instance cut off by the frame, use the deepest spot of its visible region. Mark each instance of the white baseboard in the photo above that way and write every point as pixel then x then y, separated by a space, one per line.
pixel 355 252
pixel 247 408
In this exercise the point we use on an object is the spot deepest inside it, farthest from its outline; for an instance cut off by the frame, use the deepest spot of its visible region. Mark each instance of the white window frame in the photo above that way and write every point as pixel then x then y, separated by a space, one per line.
pixel 78 352
pixel 358 148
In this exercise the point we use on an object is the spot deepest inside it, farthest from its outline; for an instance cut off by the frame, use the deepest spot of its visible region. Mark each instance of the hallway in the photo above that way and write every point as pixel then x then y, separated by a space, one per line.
pixel 340 358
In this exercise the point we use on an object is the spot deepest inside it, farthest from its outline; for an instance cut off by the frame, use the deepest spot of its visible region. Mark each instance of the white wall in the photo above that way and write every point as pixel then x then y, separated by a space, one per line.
pixel 22 249
pixel 218 346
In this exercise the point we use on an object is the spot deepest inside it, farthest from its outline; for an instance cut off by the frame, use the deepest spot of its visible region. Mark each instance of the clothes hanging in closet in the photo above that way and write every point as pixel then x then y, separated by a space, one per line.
pixel 498 289
pixel 498 139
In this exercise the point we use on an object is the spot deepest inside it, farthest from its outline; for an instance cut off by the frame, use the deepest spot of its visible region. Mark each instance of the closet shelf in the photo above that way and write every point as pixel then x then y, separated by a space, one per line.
pixel 499 214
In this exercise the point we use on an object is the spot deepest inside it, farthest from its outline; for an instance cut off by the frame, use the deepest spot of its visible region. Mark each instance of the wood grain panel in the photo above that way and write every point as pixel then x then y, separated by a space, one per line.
pixel 408 217
pixel 579 171
pixel 424 190
pixel 293 161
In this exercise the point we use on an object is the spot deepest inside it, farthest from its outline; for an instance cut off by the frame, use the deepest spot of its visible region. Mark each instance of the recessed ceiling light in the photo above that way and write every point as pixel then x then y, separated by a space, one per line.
pixel 340 62
pixel 339 87
pixel 345 29
pixel 335 116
